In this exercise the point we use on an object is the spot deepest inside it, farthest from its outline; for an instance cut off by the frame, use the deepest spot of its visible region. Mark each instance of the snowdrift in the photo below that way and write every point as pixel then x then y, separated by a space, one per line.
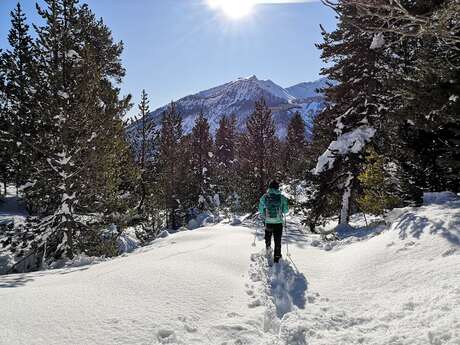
pixel 398 284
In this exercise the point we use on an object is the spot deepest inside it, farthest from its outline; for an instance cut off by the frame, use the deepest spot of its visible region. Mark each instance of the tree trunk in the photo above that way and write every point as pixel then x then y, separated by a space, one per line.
pixel 345 211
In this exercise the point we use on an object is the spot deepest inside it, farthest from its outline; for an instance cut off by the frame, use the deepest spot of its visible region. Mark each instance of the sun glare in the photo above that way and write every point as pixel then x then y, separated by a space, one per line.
pixel 233 9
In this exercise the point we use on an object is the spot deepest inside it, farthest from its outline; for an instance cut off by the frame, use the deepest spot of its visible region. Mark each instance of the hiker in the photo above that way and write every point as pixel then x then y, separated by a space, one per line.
pixel 272 207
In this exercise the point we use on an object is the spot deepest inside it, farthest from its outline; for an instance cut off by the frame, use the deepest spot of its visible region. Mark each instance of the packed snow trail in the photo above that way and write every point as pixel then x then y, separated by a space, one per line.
pixel 185 289
pixel 393 284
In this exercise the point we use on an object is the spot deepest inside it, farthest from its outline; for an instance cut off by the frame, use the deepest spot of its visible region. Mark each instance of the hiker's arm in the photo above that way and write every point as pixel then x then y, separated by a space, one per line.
pixel 285 205
pixel 262 206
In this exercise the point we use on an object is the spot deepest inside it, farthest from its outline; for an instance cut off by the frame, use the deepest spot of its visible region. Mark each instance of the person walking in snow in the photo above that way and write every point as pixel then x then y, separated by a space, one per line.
pixel 272 208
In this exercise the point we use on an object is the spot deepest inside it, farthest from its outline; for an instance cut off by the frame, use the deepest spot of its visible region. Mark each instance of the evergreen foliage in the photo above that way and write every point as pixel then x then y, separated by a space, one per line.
pixel 378 183
pixel 355 102
pixel 67 108
pixel 144 149
pixel 21 126
pixel 201 163
pixel 170 165
pixel 392 81
pixel 296 148
pixel 225 158
pixel 258 154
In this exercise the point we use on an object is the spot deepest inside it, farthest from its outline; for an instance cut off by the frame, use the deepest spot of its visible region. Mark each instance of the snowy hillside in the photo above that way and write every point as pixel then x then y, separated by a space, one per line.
pixel 238 97
pixel 307 90
pixel 391 284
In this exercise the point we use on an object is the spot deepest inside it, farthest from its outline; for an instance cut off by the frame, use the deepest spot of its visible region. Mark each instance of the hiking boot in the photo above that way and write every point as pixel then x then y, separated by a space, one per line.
pixel 276 259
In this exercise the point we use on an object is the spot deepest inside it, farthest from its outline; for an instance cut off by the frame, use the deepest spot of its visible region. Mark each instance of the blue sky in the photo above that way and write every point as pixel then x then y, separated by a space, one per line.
pixel 177 47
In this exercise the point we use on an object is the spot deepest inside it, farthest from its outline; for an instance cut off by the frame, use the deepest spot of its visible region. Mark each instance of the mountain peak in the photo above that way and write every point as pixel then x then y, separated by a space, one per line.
pixel 238 97
pixel 251 78
pixel 307 89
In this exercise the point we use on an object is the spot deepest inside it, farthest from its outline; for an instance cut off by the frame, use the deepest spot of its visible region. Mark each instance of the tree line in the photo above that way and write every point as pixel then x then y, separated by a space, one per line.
pixel 391 130
pixel 183 174
pixel 84 174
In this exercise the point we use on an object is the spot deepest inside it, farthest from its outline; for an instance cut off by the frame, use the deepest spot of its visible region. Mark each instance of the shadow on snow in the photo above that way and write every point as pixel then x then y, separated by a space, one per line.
pixel 288 287
pixel 16 280
pixel 411 224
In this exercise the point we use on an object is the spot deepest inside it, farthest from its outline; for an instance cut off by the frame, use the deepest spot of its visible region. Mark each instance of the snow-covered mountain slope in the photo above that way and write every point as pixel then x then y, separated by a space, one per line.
pixel 238 97
pixel 307 90
pixel 392 284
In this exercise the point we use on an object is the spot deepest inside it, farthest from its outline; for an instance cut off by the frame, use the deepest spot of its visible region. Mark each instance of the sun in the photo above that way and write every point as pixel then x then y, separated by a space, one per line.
pixel 233 9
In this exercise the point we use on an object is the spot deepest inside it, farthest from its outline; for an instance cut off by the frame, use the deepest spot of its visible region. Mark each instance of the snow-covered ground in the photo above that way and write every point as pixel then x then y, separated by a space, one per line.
pixel 11 207
pixel 12 212
pixel 398 284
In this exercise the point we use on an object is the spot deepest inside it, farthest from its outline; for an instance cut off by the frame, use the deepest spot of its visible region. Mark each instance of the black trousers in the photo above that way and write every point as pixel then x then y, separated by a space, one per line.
pixel 277 231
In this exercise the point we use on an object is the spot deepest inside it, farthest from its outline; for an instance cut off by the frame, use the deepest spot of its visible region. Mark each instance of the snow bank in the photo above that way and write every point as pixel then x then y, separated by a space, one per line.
pixel 439 197
pixel 202 219
pixel 398 285
pixel 127 242
pixel 77 261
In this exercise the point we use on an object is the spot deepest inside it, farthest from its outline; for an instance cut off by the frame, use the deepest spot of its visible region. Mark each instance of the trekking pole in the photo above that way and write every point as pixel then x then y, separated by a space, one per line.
pixel 255 236
pixel 288 254
pixel 287 238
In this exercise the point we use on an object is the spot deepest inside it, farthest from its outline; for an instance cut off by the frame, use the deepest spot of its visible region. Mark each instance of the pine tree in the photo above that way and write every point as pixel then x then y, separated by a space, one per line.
pixel 4 125
pixel 431 106
pixel 201 158
pixel 356 104
pixel 296 148
pixel 83 165
pixel 143 142
pixel 22 125
pixel 393 91
pixel 169 165
pixel 225 160
pixel 379 184
pixel 422 72
pixel 259 155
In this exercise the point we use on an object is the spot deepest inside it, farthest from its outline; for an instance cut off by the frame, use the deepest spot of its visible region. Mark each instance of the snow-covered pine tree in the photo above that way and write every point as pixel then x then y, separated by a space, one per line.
pixel 419 19
pixel 259 155
pixel 108 157
pixel 201 163
pixel 322 191
pixel 21 125
pixel 144 145
pixel 4 125
pixel 82 147
pixel 422 73
pixel 169 166
pixel 355 104
pixel 225 160
pixel 432 106
pixel 295 161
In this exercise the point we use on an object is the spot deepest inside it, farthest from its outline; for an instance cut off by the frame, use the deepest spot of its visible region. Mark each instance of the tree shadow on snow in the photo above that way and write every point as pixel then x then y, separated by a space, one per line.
pixel 360 232
pixel 14 280
pixel 414 225
pixel 288 287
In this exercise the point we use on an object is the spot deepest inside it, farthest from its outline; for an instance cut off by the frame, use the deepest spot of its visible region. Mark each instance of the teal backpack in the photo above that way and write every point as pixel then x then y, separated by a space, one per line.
pixel 273 207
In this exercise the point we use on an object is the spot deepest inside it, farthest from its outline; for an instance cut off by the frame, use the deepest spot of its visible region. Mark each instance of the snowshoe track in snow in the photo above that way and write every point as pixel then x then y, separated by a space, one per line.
pixel 280 291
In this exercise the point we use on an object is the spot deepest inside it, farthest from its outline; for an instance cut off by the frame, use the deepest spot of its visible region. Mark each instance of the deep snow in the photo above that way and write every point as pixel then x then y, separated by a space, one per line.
pixel 393 284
